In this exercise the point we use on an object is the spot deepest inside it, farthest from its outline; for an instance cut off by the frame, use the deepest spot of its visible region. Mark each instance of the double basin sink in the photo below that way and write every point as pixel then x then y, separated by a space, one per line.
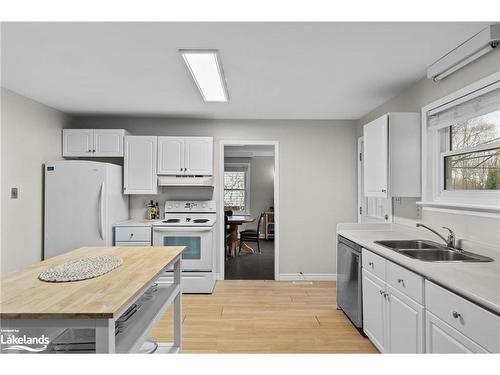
pixel 429 251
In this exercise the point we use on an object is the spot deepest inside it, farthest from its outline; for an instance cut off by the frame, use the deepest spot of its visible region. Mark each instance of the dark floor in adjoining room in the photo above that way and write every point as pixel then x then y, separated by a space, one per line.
pixel 248 266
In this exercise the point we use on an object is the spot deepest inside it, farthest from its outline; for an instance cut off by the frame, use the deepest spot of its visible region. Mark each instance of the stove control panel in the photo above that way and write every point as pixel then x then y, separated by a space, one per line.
pixel 190 206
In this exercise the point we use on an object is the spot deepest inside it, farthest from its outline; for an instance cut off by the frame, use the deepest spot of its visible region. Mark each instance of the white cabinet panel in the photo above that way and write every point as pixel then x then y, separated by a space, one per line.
pixel 170 155
pixel 405 323
pixel 77 142
pixel 374 309
pixel 93 142
pixel 443 339
pixel 481 326
pixel 407 282
pixel 392 156
pixel 108 142
pixel 185 156
pixel 198 156
pixel 139 175
pixel 376 163
pixel 374 263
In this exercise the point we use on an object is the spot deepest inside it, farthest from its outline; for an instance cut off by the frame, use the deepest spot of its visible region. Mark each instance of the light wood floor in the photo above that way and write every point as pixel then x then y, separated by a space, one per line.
pixel 265 317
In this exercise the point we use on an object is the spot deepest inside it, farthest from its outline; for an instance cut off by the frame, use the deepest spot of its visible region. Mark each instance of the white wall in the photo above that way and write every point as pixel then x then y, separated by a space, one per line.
pixel 31 136
pixel 261 185
pixel 482 229
pixel 317 177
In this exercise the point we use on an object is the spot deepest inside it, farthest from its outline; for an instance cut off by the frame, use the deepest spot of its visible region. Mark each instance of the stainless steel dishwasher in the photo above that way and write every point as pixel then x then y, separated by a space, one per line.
pixel 349 297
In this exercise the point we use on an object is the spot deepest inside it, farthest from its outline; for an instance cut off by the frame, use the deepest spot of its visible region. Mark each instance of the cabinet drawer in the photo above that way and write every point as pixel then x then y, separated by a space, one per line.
pixel 405 281
pixel 476 323
pixel 373 263
pixel 131 244
pixel 133 234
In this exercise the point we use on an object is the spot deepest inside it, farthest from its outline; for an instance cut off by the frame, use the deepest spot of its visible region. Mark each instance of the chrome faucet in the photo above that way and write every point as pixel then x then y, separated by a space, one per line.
pixel 450 241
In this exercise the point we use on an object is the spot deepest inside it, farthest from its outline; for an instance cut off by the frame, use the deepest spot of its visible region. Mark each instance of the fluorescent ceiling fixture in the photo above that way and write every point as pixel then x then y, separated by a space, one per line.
pixel 206 69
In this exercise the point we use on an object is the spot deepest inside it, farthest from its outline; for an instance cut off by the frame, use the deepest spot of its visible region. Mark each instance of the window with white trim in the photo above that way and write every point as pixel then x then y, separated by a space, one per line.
pixel 236 187
pixel 463 138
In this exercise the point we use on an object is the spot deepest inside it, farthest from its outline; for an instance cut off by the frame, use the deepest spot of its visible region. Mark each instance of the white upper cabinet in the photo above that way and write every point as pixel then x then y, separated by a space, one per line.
pixel 139 167
pixel 108 142
pixel 376 160
pixel 392 156
pixel 77 142
pixel 93 142
pixel 170 155
pixel 185 156
pixel 198 156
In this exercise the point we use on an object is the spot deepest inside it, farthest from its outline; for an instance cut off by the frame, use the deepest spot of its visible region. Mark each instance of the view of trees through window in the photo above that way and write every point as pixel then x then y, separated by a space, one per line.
pixel 479 170
pixel 234 190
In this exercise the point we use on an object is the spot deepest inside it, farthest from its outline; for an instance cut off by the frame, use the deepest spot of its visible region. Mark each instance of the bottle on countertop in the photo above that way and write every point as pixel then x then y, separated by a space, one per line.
pixel 157 212
pixel 150 214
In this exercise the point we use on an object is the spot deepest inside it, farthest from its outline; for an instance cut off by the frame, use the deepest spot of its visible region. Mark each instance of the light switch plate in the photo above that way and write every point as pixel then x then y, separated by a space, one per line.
pixel 13 193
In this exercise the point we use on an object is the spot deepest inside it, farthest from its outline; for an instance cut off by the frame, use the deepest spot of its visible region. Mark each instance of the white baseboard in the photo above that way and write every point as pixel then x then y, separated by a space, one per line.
pixel 307 276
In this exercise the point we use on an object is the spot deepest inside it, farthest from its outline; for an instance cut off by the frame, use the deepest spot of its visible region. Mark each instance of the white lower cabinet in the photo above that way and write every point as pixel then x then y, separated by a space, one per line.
pixel 374 309
pixel 392 320
pixel 443 339
pixel 405 323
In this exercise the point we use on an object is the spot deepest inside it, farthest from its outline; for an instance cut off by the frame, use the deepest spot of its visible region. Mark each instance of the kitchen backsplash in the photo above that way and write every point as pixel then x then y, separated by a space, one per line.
pixel 138 203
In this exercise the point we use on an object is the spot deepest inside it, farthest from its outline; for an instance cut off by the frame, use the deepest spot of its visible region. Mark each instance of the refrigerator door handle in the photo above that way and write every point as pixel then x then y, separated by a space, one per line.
pixel 101 212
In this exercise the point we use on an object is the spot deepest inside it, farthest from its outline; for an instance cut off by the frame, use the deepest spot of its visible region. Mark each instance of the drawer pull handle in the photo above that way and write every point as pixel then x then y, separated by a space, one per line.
pixel 456 315
pixel 370 264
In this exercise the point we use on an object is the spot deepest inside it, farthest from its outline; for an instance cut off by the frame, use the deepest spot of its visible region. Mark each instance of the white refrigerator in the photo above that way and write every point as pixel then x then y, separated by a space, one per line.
pixel 82 201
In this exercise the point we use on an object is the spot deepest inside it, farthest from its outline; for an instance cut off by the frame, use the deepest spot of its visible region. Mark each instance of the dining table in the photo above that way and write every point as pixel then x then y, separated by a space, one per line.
pixel 234 221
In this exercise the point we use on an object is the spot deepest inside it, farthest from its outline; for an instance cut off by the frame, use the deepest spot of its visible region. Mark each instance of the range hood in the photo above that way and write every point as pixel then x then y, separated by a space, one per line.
pixel 185 181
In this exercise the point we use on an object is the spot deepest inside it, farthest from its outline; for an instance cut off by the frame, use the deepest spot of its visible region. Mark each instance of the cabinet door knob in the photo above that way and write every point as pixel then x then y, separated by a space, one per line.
pixel 456 314
pixel 381 292
pixel 131 234
pixel 89 151
pixel 93 150
pixel 370 264
pixel 383 190
pixel 401 281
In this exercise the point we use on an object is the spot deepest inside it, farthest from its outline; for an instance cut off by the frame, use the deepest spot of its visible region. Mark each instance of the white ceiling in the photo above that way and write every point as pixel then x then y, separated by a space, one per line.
pixel 273 70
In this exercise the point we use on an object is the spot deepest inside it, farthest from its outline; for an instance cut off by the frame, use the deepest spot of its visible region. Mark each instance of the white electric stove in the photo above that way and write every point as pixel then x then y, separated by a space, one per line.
pixel 190 224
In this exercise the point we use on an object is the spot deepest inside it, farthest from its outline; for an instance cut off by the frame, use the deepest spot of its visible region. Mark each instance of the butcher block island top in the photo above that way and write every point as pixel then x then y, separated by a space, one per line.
pixel 24 296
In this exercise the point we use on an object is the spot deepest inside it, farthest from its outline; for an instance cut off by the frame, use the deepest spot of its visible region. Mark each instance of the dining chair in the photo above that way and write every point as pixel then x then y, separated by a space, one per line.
pixel 251 235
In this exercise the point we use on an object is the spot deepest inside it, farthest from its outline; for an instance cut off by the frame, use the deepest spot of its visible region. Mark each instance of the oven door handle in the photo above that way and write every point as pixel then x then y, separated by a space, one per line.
pixel 183 229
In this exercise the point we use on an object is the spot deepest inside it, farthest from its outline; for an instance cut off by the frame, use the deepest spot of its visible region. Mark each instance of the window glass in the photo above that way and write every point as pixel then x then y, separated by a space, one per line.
pixel 473 171
pixel 476 131
pixel 235 190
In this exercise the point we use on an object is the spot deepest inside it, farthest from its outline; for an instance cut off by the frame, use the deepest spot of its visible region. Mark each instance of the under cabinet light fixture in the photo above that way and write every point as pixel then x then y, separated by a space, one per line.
pixel 206 69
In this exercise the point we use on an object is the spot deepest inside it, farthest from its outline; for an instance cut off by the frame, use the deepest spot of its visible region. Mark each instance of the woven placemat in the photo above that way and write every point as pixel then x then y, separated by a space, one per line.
pixel 81 269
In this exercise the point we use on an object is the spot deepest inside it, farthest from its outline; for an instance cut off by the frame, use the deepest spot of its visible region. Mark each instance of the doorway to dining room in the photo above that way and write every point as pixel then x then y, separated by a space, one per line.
pixel 248 204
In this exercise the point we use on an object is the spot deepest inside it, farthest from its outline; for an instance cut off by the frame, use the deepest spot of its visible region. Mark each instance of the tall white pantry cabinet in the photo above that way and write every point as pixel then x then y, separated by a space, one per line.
pixel 139 165
pixel 392 156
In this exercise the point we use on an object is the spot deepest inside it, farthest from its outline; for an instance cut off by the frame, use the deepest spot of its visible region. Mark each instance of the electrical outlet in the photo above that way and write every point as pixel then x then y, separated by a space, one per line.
pixel 419 212
pixel 13 193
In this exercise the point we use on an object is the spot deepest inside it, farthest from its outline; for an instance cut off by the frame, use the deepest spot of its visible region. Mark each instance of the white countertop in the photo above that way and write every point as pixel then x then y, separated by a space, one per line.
pixel 478 282
pixel 136 223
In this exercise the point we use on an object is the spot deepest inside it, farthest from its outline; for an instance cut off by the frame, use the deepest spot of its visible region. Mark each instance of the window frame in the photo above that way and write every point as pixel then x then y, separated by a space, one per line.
pixel 247 186
pixel 433 159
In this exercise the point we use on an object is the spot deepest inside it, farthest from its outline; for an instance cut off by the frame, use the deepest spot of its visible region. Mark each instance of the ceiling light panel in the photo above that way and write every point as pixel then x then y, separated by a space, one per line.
pixel 206 70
